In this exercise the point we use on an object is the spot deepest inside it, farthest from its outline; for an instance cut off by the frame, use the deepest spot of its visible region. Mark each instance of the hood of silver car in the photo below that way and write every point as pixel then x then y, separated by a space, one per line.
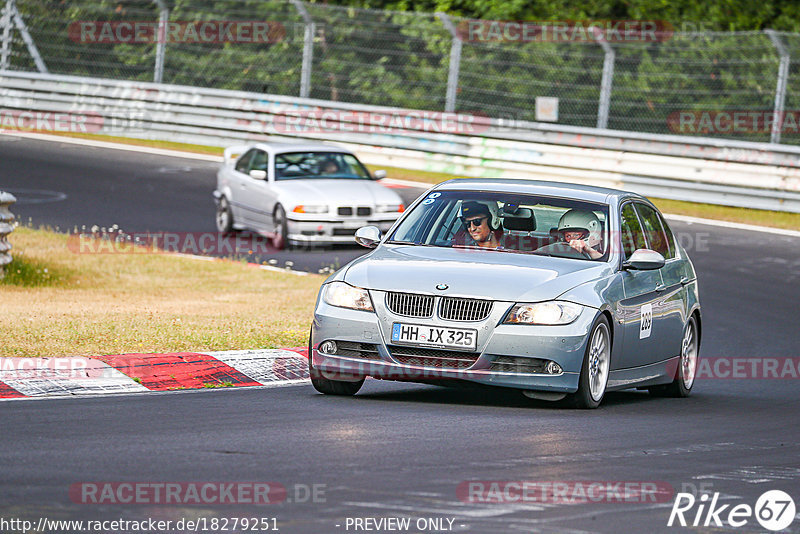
pixel 471 273
pixel 336 192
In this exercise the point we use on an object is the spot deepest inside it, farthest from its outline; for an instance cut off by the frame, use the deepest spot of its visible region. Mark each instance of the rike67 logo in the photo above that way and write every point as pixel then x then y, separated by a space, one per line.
pixel 774 510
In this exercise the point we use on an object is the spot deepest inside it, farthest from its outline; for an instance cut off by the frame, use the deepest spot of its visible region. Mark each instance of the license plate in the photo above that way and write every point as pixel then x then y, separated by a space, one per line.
pixel 435 336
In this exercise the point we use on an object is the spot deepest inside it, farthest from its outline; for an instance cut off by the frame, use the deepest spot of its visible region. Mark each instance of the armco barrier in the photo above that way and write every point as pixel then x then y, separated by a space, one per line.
pixel 756 175
pixel 6 227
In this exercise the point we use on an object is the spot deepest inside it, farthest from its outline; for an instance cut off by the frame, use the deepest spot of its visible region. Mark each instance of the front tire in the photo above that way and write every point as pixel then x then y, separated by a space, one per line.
pixel 681 386
pixel 594 371
pixel 281 228
pixel 224 217
pixel 329 386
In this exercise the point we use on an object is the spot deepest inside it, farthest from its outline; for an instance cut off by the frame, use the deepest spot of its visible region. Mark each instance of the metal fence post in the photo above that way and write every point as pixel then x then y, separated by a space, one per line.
pixel 780 89
pixel 161 42
pixel 455 62
pixel 26 38
pixel 6 23
pixel 6 227
pixel 606 81
pixel 308 48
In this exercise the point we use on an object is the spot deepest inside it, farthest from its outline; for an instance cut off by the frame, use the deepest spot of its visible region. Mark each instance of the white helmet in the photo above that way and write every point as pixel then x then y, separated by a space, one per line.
pixel 582 220
pixel 470 208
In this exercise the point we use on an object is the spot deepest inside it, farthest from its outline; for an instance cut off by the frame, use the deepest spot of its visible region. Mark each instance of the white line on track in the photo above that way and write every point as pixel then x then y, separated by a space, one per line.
pixel 115 146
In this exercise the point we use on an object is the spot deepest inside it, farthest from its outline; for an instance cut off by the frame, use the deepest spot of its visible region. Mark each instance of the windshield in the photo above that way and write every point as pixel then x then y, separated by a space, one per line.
pixel 508 222
pixel 328 165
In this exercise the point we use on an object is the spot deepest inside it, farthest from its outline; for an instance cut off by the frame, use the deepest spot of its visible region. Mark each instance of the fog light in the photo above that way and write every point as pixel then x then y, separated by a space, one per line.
pixel 328 347
pixel 552 368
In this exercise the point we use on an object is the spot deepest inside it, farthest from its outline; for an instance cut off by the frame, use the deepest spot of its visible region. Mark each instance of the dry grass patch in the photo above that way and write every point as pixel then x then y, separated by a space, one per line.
pixel 119 303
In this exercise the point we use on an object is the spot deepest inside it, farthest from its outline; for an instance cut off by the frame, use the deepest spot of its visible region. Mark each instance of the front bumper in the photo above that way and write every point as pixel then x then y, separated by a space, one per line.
pixel 332 231
pixel 565 345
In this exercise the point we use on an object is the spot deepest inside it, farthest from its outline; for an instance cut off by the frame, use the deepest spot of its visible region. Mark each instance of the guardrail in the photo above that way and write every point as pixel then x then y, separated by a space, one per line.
pixel 6 227
pixel 755 175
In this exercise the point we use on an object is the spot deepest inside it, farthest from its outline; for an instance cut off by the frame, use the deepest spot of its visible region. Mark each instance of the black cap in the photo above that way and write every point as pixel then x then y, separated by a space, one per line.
pixel 472 208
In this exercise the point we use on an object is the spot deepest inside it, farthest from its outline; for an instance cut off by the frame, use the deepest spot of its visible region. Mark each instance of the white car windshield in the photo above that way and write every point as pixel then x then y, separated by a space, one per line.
pixel 508 222
pixel 325 165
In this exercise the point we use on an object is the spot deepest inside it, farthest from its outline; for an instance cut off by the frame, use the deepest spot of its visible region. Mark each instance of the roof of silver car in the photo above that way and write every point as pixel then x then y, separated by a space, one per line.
pixel 282 148
pixel 589 193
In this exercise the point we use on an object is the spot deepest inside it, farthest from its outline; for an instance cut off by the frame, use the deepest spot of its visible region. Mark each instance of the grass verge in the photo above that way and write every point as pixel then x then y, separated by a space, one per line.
pixel 60 303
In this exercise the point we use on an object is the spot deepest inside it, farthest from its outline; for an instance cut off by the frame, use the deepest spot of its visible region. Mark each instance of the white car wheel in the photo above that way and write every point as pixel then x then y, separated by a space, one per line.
pixel 224 216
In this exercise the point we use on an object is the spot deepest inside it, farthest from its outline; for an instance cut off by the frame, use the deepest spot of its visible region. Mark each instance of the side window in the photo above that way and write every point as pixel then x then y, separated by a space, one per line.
pixel 259 162
pixel 653 229
pixel 632 235
pixel 243 165
pixel 673 249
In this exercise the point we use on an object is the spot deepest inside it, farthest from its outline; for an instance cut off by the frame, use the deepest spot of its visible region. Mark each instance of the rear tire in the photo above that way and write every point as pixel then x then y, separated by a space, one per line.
pixel 594 371
pixel 682 385
pixel 329 386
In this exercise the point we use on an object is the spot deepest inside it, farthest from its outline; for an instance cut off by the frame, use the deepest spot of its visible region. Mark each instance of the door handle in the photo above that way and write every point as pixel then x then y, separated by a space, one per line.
pixel 685 280
pixel 661 287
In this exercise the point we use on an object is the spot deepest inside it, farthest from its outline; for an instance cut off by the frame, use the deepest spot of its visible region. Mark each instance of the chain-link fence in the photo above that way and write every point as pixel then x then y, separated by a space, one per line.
pixel 713 84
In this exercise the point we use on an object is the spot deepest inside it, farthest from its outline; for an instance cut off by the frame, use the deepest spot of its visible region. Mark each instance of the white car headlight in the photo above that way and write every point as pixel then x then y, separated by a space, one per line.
pixel 389 208
pixel 544 313
pixel 346 296
pixel 310 208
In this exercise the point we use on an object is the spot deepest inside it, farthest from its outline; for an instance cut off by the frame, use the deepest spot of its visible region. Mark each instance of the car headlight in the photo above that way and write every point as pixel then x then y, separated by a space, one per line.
pixel 347 296
pixel 544 313
pixel 310 208
pixel 390 208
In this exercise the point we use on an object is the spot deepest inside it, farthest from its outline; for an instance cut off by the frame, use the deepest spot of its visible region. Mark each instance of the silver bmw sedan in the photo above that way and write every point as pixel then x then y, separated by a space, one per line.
pixel 562 291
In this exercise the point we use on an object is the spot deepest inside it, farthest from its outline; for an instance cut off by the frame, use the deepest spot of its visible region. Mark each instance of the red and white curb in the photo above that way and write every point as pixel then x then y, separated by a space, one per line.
pixel 136 373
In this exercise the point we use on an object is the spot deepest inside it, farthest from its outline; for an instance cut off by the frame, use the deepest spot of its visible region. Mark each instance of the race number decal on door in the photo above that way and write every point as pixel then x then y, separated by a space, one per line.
pixel 647 321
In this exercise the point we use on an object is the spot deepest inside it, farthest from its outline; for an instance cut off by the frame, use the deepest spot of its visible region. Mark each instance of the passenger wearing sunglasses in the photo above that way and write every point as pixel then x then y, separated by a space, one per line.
pixel 482 223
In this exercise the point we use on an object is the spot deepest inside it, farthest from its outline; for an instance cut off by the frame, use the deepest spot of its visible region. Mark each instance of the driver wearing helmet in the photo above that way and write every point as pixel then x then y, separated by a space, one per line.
pixel 330 167
pixel 582 231
pixel 482 223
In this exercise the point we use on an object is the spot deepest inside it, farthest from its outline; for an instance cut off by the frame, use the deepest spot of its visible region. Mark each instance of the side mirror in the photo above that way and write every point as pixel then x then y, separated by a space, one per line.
pixel 379 174
pixel 258 175
pixel 368 236
pixel 644 260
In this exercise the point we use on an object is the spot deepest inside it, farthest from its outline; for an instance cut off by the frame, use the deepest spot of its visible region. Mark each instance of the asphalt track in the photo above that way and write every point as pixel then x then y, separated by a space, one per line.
pixel 401 450
pixel 76 187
